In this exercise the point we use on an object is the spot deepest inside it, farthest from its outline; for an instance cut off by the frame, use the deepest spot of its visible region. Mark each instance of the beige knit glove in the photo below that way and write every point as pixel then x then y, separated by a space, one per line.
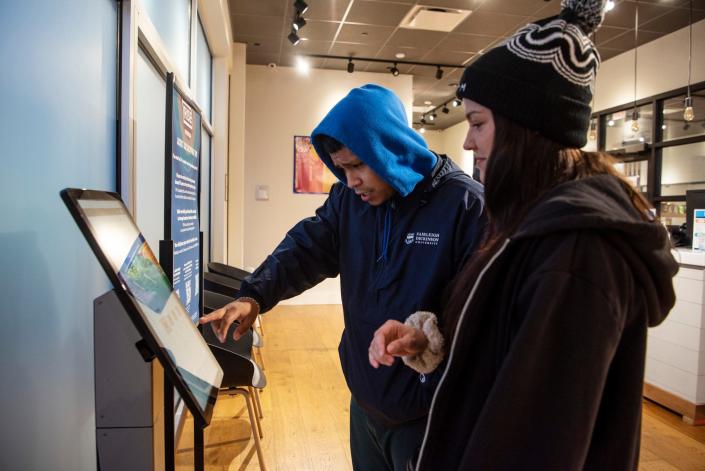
pixel 428 360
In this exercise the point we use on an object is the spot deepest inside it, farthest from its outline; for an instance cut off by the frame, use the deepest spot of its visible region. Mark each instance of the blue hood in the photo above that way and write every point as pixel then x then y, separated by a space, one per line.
pixel 371 122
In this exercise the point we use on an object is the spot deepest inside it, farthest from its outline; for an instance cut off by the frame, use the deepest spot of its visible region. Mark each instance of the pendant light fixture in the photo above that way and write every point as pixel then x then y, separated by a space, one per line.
pixel 635 112
pixel 592 134
pixel 688 113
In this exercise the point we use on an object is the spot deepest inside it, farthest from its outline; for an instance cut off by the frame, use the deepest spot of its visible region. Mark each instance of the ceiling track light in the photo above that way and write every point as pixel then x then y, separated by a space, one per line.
pixel 440 68
pixel 456 103
pixel 294 38
pixel 299 23
pixel 351 66
pixel 445 109
pixel 301 7
pixel 394 70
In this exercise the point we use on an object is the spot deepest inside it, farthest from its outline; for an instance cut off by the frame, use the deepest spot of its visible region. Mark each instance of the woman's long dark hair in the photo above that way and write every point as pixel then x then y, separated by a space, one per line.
pixel 522 168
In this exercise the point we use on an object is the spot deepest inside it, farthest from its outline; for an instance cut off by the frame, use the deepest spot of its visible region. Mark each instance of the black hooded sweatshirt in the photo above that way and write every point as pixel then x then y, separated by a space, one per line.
pixel 546 368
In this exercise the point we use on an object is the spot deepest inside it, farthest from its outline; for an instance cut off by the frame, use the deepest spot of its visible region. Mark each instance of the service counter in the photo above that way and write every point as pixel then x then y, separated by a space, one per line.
pixel 675 358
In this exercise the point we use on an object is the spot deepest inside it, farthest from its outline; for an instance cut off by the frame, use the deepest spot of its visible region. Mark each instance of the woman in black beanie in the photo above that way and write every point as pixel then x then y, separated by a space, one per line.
pixel 545 330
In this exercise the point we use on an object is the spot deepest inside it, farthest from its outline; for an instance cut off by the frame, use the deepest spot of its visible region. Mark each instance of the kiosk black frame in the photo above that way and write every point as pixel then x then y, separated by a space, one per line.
pixel 71 197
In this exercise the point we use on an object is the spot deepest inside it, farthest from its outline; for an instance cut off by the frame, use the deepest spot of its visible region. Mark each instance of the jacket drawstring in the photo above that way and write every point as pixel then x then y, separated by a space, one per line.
pixel 385 233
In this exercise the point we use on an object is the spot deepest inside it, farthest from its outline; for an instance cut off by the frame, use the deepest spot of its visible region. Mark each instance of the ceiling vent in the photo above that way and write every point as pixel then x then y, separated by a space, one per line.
pixel 434 18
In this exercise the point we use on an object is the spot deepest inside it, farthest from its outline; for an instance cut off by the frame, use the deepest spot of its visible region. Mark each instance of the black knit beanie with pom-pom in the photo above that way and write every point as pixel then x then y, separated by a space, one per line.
pixel 542 77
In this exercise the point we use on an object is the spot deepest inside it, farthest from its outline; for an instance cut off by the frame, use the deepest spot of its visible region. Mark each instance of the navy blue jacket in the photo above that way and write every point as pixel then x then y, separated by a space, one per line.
pixel 433 230
pixel 431 226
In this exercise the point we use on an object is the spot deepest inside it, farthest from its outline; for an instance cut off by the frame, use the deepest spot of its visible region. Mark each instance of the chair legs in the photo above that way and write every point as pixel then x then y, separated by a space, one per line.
pixel 257 404
pixel 254 423
pixel 260 325
pixel 258 409
pixel 260 359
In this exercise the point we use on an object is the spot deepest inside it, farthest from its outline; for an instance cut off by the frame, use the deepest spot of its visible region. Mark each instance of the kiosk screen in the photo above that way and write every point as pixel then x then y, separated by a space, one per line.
pixel 147 296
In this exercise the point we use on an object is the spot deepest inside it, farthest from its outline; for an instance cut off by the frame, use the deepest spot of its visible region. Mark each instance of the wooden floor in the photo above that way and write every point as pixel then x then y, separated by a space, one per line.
pixel 306 405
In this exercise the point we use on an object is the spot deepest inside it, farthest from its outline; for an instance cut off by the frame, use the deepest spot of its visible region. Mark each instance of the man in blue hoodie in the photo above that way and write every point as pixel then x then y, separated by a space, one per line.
pixel 396 234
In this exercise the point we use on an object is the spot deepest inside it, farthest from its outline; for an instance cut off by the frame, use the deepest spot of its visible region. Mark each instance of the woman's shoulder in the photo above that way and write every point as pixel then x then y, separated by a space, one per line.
pixel 587 254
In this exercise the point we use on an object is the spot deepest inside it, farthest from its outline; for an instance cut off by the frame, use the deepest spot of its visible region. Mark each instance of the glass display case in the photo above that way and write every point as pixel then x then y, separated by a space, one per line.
pixel 682 168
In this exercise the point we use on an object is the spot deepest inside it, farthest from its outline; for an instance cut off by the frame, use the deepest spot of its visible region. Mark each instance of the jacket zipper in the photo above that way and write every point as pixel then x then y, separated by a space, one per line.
pixel 452 347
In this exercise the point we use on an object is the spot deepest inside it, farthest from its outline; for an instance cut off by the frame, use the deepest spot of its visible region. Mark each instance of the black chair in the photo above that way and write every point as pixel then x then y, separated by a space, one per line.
pixel 239 275
pixel 241 376
pixel 213 301
pixel 221 284
pixel 228 270
pixel 243 347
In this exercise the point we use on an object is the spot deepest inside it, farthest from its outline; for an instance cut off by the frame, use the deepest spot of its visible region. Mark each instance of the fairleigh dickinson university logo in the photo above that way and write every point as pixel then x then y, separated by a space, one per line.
pixel 422 238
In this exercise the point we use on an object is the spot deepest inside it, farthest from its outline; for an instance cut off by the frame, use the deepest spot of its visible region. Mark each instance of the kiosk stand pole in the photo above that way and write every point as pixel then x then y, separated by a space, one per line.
pixel 198 445
pixel 169 446
pixel 198 448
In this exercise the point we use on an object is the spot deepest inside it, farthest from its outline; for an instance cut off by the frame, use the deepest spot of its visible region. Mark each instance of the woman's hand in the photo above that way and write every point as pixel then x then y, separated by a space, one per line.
pixel 395 339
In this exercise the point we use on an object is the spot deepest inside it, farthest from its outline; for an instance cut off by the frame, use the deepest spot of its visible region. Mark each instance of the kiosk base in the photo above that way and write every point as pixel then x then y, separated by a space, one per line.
pixel 123 391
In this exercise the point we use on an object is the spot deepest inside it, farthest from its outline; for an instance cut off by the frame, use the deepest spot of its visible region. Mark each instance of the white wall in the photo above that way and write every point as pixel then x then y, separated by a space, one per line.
pixel 662 65
pixel 215 16
pixel 434 139
pixel 280 104
pixel 453 139
pixel 449 141
pixel 236 158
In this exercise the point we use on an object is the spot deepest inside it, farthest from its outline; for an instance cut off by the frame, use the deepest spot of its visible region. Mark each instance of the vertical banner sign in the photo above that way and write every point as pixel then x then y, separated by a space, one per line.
pixel 185 148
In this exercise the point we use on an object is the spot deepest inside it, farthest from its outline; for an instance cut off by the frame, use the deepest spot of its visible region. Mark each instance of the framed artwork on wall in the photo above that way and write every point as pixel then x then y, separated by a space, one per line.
pixel 310 173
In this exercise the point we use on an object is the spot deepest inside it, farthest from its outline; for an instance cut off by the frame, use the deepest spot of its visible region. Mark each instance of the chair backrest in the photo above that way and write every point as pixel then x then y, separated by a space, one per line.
pixel 221 284
pixel 238 371
pixel 213 301
pixel 234 357
pixel 228 270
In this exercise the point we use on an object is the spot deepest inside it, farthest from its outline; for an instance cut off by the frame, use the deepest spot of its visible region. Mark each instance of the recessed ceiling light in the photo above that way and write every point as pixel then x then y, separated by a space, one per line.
pixel 427 102
pixel 400 55
pixel 302 65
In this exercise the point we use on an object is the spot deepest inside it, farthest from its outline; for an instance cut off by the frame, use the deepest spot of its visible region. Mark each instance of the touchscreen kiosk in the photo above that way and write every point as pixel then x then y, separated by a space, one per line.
pixel 146 294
